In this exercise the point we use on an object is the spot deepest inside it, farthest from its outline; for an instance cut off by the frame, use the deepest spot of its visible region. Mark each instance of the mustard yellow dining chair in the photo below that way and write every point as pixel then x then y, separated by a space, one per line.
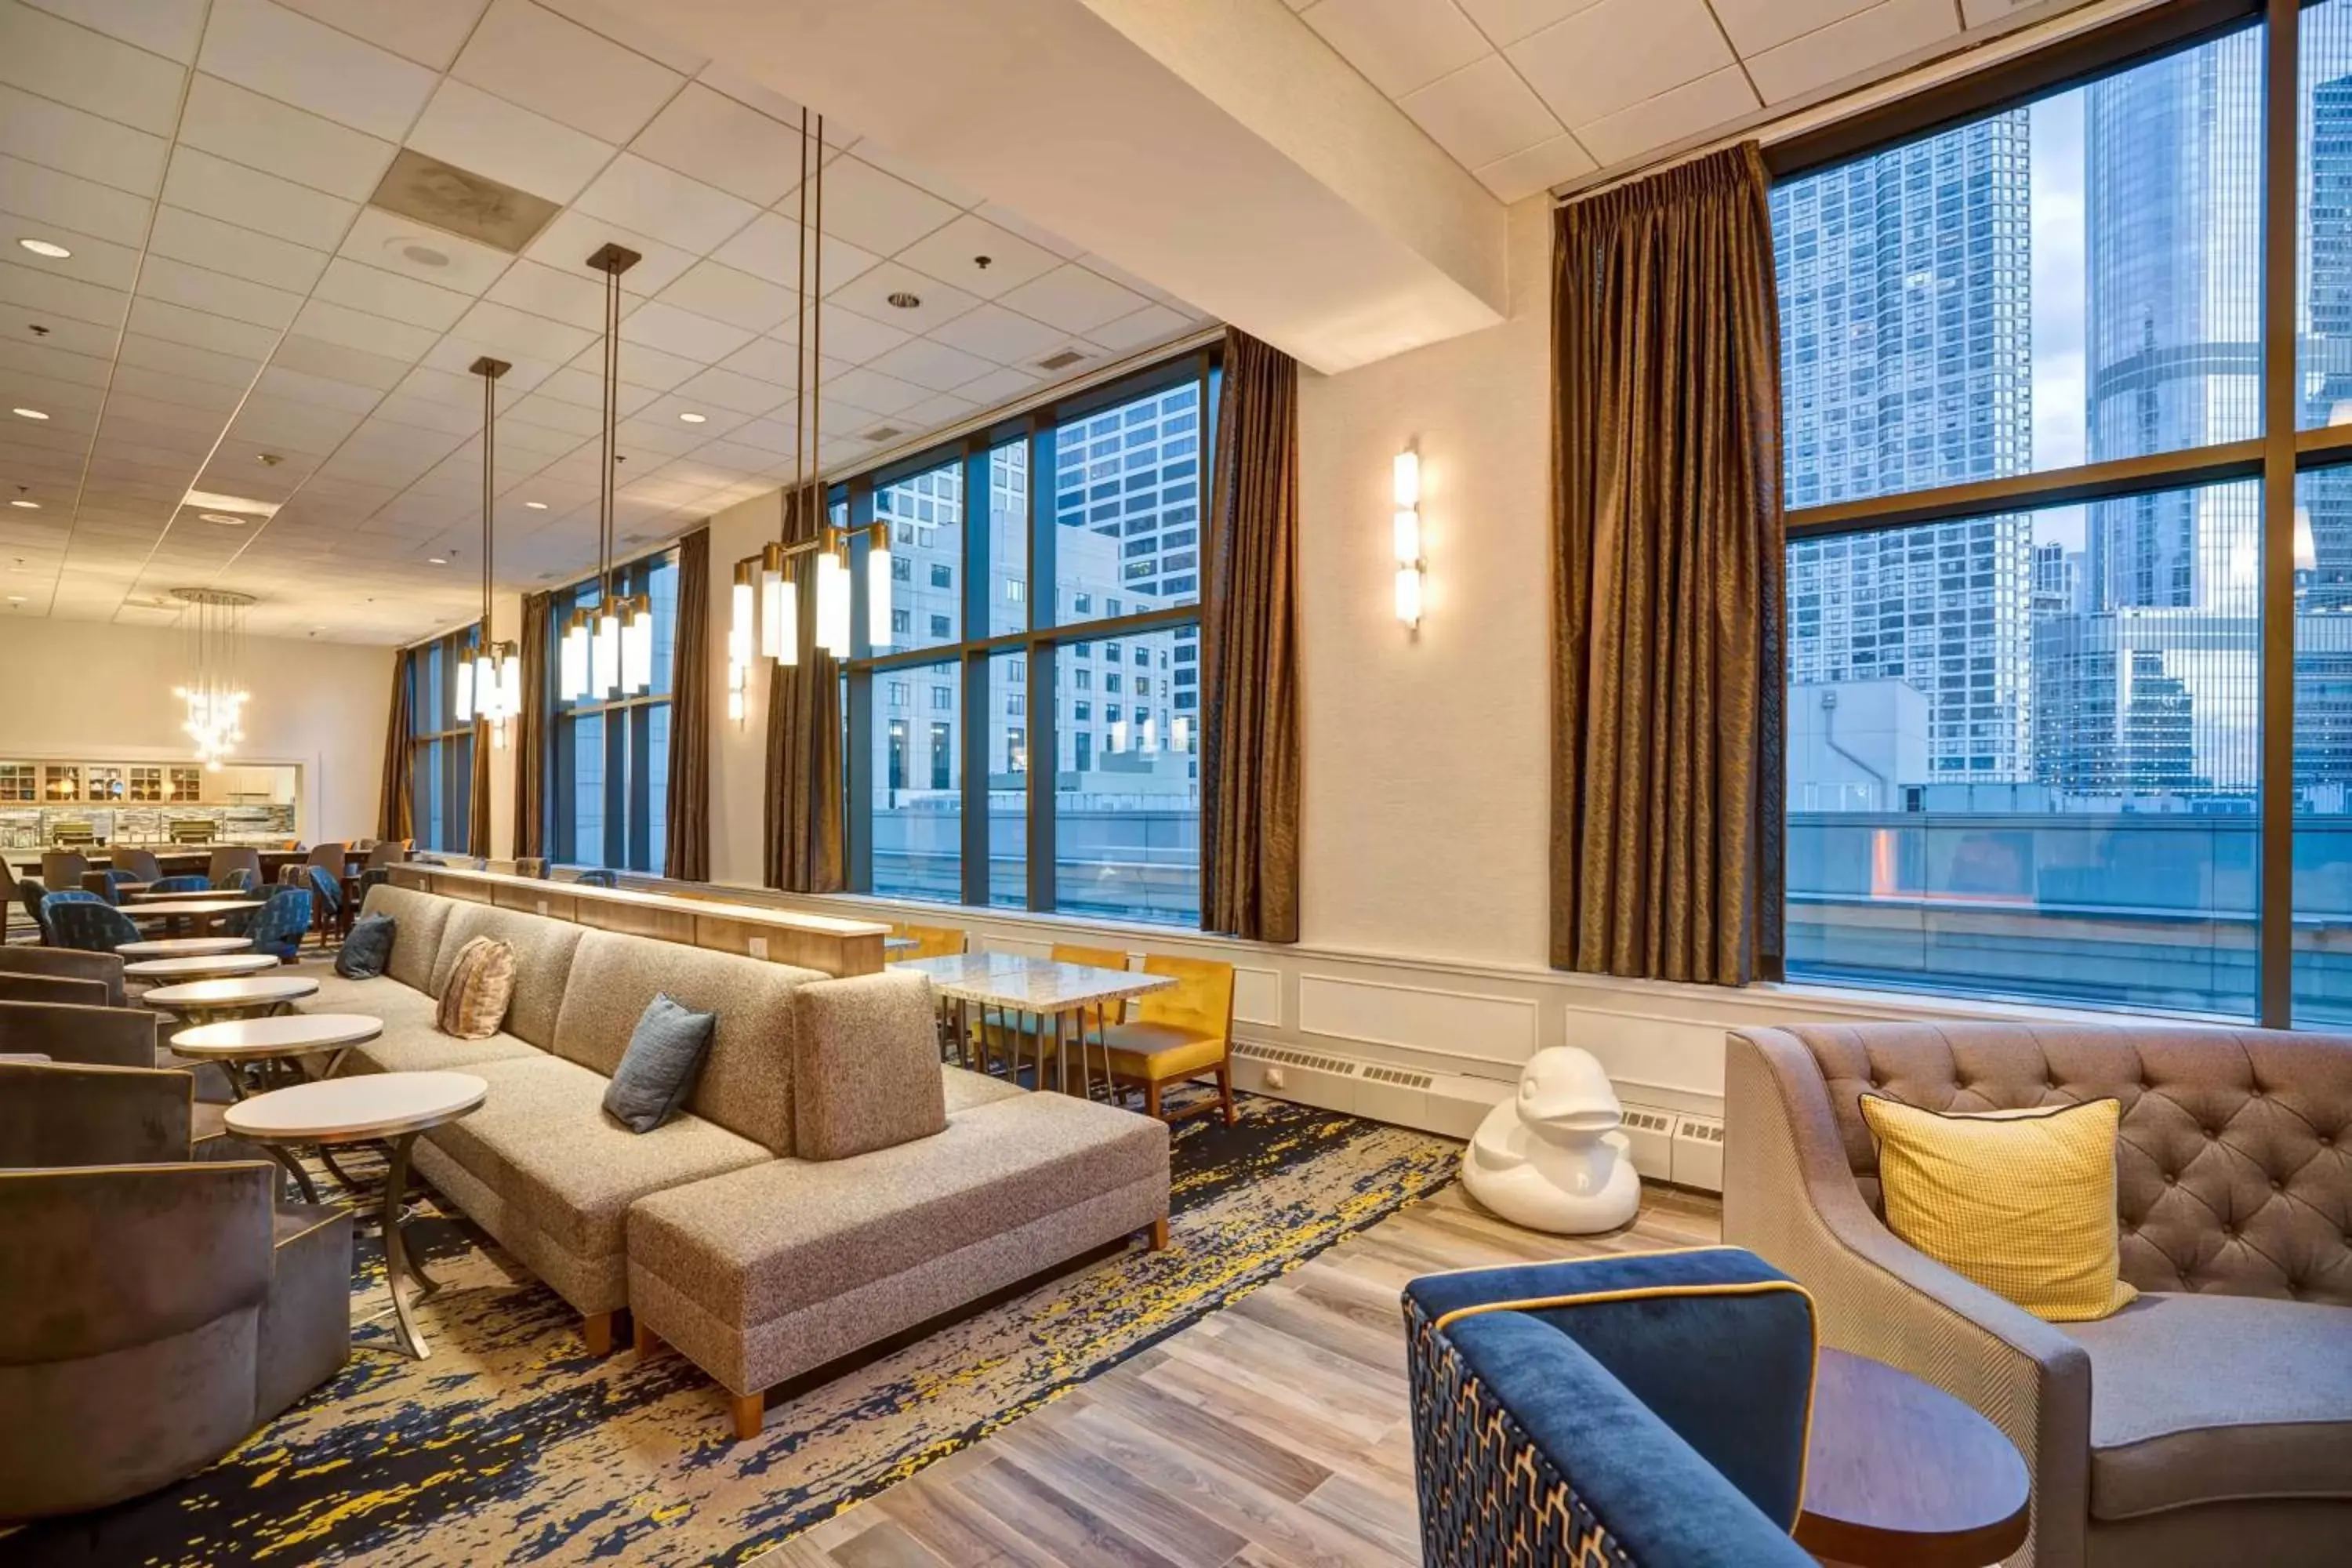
pixel 931 942
pixel 1177 1033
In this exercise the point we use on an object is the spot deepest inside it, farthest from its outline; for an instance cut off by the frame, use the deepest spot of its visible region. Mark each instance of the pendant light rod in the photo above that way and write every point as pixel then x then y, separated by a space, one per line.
pixel 489 370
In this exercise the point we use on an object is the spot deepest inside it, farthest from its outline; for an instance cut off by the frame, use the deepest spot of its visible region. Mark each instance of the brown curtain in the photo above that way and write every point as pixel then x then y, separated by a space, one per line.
pixel 396 817
pixel 1667 679
pixel 530 731
pixel 802 820
pixel 687 855
pixel 1249 766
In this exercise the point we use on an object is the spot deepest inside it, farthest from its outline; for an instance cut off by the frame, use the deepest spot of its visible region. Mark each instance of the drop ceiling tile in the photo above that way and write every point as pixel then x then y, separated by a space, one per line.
pixel 197 363
pixel 1073 299
pixel 56 364
pixel 72 142
pixel 953 255
pixel 919 176
pixel 1540 167
pixel 199 330
pixel 251 199
pixel 521 444
pixel 1151 324
pixel 872 389
pixel 572 237
pixel 1862 42
pixel 1686 111
pixel 299 61
pixel 1755 25
pixel 933 365
pixel 378 238
pixel 877 295
pixel 846 337
pixel 337 361
pixel 1001 385
pixel 1012 222
pixel 724 294
pixel 94 261
pixel 220 247
pixel 642 365
pixel 1399 45
pixel 277 426
pixel 531 57
pixel 58 399
pixel 929 414
pixel 44 196
pixel 302 389
pixel 217 400
pixel 103 75
pixel 625 29
pixel 878 212
pixel 178 284
pixel 657 325
pixel 768 248
pixel 353 329
pixel 1482 113
pixel 996 334
pixel 647 197
pixel 383 293
pixel 715 138
pixel 581 384
pixel 553 414
pixel 427 415
pixel 429 32
pixel 172 28
pixel 639 436
pixel 576 299
pixel 1508 21
pixel 485 134
pixel 1617 53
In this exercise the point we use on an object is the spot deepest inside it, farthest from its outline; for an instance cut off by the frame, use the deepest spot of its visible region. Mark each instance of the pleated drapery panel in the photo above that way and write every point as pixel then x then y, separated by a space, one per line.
pixel 531 730
pixel 802 839
pixel 1250 740
pixel 396 810
pixel 687 852
pixel 1668 680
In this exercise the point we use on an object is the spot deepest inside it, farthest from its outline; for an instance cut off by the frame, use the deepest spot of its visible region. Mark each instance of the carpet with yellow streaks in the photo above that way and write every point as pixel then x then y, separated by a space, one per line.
pixel 511 1445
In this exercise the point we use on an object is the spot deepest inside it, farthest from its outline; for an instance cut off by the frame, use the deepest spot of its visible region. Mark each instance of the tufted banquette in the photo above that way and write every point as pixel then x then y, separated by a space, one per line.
pixel 2211 1417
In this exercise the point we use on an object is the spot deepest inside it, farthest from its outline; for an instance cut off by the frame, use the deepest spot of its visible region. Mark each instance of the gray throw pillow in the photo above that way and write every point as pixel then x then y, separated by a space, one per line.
pixel 367 950
pixel 658 1071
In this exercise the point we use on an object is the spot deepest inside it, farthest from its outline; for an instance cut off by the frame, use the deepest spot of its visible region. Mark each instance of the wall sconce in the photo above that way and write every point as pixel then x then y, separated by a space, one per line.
pixel 1406 475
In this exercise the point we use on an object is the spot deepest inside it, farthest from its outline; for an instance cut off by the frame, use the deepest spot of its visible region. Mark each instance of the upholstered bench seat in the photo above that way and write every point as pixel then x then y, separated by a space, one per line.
pixel 2268 1414
pixel 409 1042
pixel 778 1268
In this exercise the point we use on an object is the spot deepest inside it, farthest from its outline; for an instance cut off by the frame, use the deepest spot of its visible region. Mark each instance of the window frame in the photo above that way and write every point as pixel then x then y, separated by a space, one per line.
pixel 1036 428
pixel 2276 456
pixel 451 749
pixel 628 745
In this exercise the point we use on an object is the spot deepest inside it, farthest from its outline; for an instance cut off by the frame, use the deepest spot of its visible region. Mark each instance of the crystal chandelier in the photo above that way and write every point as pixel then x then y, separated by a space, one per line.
pixel 213 623
pixel 766 603
pixel 490 686
pixel 608 652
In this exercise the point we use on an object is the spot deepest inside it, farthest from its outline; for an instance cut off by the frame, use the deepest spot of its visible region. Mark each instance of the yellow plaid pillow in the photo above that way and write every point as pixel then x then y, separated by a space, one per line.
pixel 2021 1201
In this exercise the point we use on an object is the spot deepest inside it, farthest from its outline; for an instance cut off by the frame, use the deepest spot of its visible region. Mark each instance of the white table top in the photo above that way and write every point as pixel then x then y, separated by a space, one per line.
pixel 173 895
pixel 181 908
pixel 1023 984
pixel 196 966
pixel 252 992
pixel 183 947
pixel 288 1035
pixel 346 1110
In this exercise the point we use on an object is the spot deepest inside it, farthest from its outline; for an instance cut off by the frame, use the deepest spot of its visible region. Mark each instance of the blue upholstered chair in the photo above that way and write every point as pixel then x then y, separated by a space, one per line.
pixel 190 884
pixel 599 878
pixel 31 891
pixel 114 881
pixel 85 920
pixel 1611 1412
pixel 278 925
pixel 327 891
pixel 236 879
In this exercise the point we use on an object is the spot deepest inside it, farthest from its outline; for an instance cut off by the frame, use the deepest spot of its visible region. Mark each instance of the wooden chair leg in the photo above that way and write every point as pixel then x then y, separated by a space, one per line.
pixel 749 1412
pixel 1151 1096
pixel 1225 1088
pixel 1159 1234
pixel 596 1328
pixel 642 1340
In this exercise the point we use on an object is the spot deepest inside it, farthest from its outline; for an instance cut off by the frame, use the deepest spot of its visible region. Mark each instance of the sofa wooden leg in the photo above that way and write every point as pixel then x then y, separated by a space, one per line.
pixel 1159 1234
pixel 596 1328
pixel 750 1413
pixel 643 1340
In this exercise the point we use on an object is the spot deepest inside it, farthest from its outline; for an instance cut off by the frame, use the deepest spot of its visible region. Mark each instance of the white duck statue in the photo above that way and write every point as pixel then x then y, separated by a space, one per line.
pixel 1551 1157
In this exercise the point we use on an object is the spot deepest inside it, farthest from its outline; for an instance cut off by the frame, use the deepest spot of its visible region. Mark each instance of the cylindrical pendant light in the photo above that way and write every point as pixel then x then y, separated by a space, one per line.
pixel 604 663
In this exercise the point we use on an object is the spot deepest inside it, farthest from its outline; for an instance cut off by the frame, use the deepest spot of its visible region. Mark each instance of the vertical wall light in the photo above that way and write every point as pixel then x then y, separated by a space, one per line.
pixel 1405 484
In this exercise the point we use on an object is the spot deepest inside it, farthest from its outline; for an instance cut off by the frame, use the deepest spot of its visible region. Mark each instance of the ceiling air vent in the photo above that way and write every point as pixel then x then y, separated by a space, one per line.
pixel 1062 360
pixel 460 202
pixel 881 432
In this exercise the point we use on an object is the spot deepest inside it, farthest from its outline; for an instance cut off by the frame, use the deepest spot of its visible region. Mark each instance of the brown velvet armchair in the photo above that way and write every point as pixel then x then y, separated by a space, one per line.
pixel 82 1031
pixel 64 963
pixel 158 1307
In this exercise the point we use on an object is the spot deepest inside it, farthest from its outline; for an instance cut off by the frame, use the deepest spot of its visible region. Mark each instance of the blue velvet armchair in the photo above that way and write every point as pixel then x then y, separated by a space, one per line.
pixel 1611 1413
pixel 86 921
pixel 278 926
pixel 179 885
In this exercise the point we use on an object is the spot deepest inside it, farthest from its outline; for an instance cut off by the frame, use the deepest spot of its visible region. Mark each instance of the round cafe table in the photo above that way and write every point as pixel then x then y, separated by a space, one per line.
pixel 184 947
pixel 389 1108
pixel 248 1048
pixel 203 912
pixel 200 966
pixel 202 1001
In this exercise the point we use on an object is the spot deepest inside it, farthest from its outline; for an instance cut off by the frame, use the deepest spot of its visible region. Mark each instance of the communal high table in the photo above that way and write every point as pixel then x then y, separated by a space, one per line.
pixel 1017 987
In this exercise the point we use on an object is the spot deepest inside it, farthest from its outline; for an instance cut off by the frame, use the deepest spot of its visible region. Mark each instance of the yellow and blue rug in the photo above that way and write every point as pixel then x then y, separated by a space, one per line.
pixel 511 1446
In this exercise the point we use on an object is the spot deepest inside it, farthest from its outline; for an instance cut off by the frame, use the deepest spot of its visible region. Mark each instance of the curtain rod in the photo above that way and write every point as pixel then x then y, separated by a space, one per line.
pixel 2023 35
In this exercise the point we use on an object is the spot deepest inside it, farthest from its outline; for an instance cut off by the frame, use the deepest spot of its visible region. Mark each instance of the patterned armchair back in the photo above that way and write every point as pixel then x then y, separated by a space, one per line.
pixel 85 920
pixel 238 880
pixel 190 884
pixel 328 886
pixel 277 926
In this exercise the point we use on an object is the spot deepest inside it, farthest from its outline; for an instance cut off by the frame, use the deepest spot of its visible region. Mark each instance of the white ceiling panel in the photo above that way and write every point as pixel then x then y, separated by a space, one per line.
pixel 978 256
pixel 49 133
pixel 224 248
pixel 383 293
pixel 429 32
pixel 402 244
pixel 1618 53
pixel 1851 46
pixel 178 284
pixel 534 58
pixel 190 361
pixel 1074 298
pixel 769 246
pixel 29 192
pixel 631 34
pixel 575 296
pixel 262 133
pixel 845 336
pixel 341 325
pixel 993 332
pixel 95 262
pixel 1684 111
pixel 1482 113
pixel 338 361
pixel 201 329
pixel 488 135
pixel 1756 25
pixel 1399 45
pixel 902 298
pixel 878 212
pixel 1151 324
pixel 573 236
pixel 511 334
pixel 932 365
pixel 873 390
pixel 726 143
pixel 681 332
pixel 72 64
pixel 645 196
pixel 289 56
pixel 720 292
pixel 251 199
pixel 1541 166
pixel 166 27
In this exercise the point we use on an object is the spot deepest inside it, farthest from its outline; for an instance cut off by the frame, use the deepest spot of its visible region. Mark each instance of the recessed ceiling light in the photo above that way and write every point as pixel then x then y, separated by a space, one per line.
pixel 15 598
pixel 26 505
pixel 226 520
pixel 436 561
pixel 536 505
pixel 28 414
pixel 904 300
pixel 213 500
pixel 693 419
pixel 48 248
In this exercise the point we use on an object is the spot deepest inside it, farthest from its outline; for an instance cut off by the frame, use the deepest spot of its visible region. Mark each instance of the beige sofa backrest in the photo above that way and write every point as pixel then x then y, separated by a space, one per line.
pixel 747 1081
pixel 418 922
pixel 543 949
pixel 2234 1158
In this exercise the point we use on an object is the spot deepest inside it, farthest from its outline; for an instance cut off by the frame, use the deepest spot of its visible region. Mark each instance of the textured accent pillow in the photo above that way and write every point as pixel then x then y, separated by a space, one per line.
pixel 2021 1201
pixel 481 984
pixel 658 1071
pixel 367 950
pixel 866 1065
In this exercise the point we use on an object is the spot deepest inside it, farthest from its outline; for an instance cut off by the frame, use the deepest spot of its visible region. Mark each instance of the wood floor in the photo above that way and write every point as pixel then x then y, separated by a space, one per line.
pixel 1271 1434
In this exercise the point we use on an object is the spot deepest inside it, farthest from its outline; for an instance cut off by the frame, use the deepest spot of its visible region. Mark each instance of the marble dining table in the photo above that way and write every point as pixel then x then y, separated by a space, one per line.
pixel 1016 988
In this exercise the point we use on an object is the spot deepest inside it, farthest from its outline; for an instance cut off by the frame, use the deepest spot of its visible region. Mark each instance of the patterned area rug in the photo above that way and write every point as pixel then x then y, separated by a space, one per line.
pixel 511 1446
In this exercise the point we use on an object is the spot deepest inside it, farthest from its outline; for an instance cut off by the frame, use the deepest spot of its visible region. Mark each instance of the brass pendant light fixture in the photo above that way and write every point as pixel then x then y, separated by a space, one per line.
pixel 608 652
pixel 490 686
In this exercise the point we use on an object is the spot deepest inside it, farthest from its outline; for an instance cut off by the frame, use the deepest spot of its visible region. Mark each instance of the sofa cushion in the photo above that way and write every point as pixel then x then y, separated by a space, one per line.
pixel 965 1090
pixel 419 919
pixel 368 948
pixel 865 1059
pixel 480 988
pixel 2201 1399
pixel 658 1069
pixel 766 1241
pixel 543 949
pixel 746 1085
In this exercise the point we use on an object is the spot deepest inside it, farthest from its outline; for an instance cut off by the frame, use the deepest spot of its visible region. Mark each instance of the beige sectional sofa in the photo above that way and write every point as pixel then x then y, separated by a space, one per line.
pixel 828 1183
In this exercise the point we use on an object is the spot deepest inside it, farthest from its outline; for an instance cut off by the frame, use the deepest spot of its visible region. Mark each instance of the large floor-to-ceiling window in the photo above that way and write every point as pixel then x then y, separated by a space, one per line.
pixel 608 758
pixel 440 749
pixel 1030 735
pixel 2070 578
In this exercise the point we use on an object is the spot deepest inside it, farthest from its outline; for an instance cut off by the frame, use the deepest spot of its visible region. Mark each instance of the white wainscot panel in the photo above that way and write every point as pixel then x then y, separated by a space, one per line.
pixel 1257 996
pixel 1495 1032
pixel 992 943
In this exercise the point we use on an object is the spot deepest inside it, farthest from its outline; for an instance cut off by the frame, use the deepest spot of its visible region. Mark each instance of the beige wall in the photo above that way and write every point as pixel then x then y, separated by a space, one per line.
pixel 83 689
